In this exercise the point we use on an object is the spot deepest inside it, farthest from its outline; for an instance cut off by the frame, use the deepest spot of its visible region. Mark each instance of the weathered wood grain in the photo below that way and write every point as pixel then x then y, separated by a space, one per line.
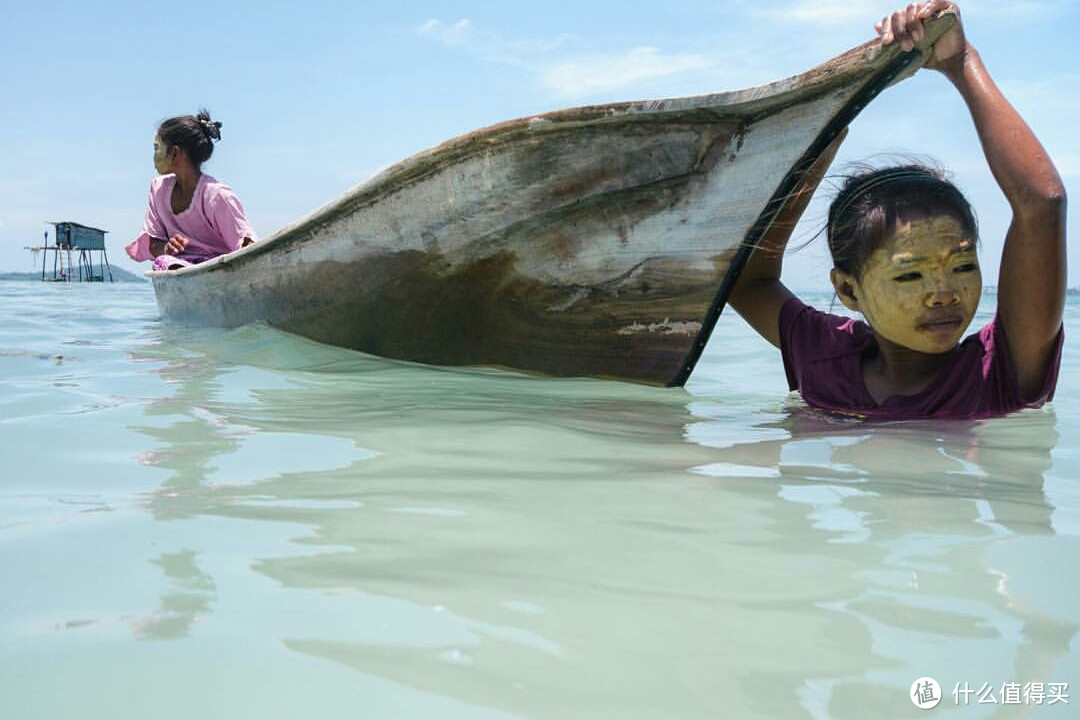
pixel 588 241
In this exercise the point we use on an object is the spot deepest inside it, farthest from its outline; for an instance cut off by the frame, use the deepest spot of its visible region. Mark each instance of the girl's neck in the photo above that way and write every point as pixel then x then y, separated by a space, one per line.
pixel 897 370
pixel 187 177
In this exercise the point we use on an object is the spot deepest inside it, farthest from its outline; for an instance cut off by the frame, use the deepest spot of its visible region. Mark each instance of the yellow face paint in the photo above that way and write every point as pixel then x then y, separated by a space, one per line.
pixel 920 289
pixel 161 156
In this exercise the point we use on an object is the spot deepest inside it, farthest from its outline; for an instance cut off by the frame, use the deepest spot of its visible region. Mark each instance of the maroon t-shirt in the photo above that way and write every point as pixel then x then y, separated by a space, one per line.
pixel 823 360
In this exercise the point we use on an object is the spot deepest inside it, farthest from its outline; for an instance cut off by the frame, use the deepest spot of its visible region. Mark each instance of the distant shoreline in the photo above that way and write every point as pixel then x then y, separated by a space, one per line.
pixel 119 275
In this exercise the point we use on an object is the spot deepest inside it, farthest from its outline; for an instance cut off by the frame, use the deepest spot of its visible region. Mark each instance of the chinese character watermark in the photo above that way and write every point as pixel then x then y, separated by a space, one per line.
pixel 925 693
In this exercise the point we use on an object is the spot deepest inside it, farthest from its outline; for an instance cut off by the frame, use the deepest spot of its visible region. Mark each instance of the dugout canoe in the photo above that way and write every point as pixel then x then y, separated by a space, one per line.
pixel 596 241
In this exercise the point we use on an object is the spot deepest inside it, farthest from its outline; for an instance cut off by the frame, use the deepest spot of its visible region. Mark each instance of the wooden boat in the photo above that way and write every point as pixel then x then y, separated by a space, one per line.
pixel 597 241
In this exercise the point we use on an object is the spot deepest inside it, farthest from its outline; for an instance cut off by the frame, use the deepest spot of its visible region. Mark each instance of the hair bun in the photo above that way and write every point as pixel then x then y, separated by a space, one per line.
pixel 211 128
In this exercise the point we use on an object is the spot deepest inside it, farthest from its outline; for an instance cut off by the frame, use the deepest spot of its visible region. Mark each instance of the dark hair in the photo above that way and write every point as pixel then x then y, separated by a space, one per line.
pixel 871 201
pixel 195 134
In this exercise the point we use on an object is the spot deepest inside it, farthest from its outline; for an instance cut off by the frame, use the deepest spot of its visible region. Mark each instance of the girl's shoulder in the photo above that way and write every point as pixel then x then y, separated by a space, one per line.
pixel 822 334
pixel 214 188
pixel 161 188
pixel 161 181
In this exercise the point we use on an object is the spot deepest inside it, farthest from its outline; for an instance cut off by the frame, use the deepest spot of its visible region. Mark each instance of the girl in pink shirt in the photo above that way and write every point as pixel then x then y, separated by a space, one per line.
pixel 191 216
pixel 903 242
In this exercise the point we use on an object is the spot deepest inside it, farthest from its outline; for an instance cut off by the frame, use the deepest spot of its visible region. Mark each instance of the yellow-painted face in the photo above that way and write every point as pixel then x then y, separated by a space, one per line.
pixel 162 161
pixel 920 289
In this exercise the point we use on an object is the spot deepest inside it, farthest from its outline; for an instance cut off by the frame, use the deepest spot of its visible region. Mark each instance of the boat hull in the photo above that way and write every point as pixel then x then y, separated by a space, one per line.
pixel 586 242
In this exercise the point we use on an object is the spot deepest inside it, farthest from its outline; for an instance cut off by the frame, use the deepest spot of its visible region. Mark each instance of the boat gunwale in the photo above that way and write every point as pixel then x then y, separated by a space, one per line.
pixel 746 103
pixel 873 66
pixel 899 65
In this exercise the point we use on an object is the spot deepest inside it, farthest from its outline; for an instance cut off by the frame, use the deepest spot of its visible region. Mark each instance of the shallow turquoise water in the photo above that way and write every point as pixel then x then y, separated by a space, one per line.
pixel 244 524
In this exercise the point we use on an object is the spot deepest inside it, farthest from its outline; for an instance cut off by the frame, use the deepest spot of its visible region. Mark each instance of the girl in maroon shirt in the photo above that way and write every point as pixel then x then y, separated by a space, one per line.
pixel 903 242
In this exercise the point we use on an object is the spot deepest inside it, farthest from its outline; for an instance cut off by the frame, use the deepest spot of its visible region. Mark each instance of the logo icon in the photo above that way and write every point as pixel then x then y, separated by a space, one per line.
pixel 925 693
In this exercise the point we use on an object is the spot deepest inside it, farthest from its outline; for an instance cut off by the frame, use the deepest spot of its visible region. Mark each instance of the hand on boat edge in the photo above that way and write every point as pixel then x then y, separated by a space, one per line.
pixel 906 27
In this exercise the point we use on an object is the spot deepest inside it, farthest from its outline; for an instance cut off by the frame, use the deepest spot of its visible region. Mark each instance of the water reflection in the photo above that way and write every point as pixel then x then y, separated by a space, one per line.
pixel 1001 463
pixel 187 602
pixel 585 549
pixel 954 513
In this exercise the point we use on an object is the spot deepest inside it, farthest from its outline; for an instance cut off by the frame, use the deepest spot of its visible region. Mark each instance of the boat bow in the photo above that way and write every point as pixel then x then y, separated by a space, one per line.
pixel 597 241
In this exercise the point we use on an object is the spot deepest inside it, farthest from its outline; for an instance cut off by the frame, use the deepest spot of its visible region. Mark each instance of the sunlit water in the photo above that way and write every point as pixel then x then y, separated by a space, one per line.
pixel 244 524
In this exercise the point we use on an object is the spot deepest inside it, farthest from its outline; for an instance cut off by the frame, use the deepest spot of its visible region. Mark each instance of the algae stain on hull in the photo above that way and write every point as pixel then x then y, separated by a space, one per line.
pixel 594 241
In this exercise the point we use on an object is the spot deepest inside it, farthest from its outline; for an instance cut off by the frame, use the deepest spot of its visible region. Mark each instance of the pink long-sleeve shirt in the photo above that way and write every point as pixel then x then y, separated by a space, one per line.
pixel 214 223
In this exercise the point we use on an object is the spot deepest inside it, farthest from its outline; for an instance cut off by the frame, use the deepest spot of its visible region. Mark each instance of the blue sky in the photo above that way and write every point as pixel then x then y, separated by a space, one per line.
pixel 315 97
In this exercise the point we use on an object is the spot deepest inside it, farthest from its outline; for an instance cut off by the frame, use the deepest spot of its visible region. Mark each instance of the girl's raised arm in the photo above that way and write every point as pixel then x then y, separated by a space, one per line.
pixel 1031 283
pixel 758 295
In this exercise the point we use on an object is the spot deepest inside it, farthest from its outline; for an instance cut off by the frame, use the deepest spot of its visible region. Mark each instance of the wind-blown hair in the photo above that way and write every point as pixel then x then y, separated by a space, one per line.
pixel 871 201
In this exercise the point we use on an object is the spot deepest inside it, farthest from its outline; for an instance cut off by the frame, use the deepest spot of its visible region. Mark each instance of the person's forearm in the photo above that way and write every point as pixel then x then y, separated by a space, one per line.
pixel 1032 278
pixel 1017 159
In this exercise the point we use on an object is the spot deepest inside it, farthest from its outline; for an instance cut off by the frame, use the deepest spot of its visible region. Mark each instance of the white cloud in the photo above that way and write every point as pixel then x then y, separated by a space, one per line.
pixel 1011 10
pixel 1051 95
pixel 839 12
pixel 542 45
pixel 453 34
pixel 599 73
pixel 1050 107
pixel 826 12
pixel 1068 164
pixel 578 74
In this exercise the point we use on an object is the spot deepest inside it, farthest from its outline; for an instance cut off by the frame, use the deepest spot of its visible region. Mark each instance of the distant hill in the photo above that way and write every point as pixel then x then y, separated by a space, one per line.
pixel 119 275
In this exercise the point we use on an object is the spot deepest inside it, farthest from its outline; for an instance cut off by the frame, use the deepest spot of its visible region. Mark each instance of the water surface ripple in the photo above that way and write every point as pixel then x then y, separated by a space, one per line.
pixel 245 524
